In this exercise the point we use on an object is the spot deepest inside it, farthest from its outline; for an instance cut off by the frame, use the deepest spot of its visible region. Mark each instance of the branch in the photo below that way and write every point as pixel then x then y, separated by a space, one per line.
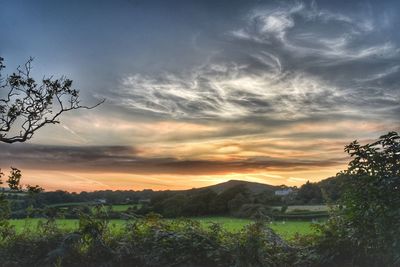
pixel 32 105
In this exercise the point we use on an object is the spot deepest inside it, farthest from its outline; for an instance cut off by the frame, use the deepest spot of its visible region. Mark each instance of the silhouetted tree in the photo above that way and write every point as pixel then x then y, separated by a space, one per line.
pixel 34 189
pixel 367 228
pixel 332 188
pixel 220 203
pixel 268 197
pixel 199 202
pixel 29 105
pixel 14 179
pixel 310 193
pixel 381 158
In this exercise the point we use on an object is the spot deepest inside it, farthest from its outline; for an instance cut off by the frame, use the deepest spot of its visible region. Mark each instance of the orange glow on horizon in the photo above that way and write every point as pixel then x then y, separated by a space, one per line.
pixel 88 181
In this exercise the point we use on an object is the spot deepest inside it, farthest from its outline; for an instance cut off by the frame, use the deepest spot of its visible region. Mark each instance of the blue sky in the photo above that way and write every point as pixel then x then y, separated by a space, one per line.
pixel 199 92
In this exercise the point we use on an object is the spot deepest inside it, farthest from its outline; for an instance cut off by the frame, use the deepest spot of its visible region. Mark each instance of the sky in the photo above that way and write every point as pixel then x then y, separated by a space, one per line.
pixel 201 92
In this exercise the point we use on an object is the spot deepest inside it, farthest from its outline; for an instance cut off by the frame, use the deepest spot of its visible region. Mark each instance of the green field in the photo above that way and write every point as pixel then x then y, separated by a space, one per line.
pixel 124 207
pixel 286 229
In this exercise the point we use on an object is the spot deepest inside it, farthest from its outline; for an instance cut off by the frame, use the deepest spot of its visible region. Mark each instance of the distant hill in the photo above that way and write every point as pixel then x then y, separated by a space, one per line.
pixel 251 186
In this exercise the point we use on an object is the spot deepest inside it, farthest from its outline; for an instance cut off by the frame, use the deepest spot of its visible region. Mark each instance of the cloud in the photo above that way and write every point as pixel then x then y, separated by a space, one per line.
pixel 269 24
pixel 287 62
pixel 228 91
pixel 308 31
pixel 124 159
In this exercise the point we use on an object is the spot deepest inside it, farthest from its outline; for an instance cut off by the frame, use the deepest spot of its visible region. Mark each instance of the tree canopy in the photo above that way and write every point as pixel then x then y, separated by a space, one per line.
pixel 367 227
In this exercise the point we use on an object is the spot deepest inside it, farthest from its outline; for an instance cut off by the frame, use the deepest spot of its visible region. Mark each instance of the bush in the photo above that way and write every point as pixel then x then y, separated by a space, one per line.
pixel 365 230
pixel 149 241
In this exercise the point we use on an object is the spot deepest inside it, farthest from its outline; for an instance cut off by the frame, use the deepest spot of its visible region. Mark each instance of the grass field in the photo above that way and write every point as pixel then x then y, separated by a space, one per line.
pixel 124 207
pixel 286 229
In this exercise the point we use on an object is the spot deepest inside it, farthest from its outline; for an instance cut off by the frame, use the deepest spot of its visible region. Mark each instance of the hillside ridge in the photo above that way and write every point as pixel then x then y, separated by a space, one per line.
pixel 254 187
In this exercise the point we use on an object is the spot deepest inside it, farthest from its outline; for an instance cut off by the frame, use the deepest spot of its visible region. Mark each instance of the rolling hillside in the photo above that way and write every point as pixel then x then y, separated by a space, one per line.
pixel 251 186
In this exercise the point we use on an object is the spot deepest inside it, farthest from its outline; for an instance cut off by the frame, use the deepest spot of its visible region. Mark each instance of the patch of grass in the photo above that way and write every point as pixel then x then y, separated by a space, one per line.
pixel 229 224
pixel 289 229
pixel 124 207
pixel 32 224
pixel 286 229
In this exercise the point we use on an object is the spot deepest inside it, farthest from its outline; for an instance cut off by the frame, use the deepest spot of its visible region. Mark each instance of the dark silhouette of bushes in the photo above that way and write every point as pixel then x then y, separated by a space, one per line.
pixel 150 242
pixel 365 229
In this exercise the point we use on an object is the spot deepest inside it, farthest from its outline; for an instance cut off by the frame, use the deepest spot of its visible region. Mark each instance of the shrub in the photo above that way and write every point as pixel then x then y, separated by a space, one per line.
pixel 149 241
pixel 365 230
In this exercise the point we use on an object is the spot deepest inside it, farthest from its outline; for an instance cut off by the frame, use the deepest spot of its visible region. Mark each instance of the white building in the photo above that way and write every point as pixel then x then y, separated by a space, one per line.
pixel 283 192
pixel 101 201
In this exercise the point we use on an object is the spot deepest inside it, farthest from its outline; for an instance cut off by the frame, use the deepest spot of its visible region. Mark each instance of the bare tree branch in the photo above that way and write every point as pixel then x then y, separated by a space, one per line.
pixel 27 105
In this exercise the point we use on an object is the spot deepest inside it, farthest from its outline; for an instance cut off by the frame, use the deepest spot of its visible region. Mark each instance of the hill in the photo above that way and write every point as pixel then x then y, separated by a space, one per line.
pixel 251 186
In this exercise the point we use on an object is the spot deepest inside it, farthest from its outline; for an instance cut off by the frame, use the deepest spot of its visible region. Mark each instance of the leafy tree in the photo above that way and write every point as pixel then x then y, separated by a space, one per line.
pixel 238 201
pixel 14 179
pixel 199 202
pixel 367 228
pixel 34 189
pixel 174 205
pixel 268 198
pixel 29 105
pixel 5 227
pixel 332 188
pixel 380 159
pixel 3 203
pixel 310 193
pixel 221 202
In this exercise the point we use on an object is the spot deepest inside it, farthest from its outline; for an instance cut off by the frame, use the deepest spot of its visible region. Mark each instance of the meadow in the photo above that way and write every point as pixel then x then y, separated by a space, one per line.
pixel 286 229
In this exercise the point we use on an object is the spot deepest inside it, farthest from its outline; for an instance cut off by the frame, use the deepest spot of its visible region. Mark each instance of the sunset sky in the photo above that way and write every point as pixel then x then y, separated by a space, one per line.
pixel 201 92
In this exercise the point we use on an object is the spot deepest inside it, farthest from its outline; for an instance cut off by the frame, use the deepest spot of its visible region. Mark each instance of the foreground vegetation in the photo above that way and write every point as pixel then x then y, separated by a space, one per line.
pixel 286 229
pixel 150 242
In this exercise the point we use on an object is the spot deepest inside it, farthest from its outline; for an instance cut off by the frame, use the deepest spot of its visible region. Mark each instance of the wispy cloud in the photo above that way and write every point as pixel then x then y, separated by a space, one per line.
pixel 296 61
pixel 229 91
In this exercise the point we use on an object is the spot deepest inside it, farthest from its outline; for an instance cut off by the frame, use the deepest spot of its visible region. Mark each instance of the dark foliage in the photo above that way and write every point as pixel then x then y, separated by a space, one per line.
pixel 310 193
pixel 14 179
pixel 365 230
pixel 151 242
